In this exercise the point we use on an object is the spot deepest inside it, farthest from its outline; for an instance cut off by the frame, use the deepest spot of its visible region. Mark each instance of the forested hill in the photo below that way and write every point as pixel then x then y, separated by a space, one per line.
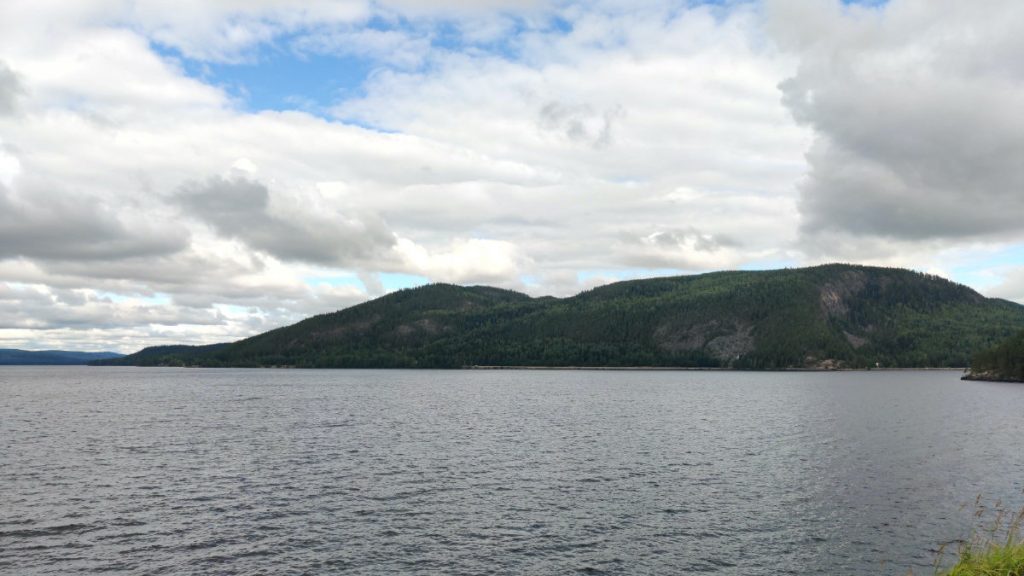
pixel 10 356
pixel 821 317
pixel 1003 362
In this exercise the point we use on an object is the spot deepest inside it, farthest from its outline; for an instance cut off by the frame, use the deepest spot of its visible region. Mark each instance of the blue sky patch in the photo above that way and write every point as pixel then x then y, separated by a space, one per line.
pixel 394 281
pixel 980 270
pixel 628 273
pixel 277 79
pixel 292 74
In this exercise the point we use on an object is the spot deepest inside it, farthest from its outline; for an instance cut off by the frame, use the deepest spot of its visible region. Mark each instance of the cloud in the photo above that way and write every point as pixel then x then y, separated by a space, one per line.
pixel 918 134
pixel 580 123
pixel 467 261
pixel 489 145
pixel 659 111
pixel 10 167
pixel 231 31
pixel 461 6
pixel 614 131
pixel 1011 285
pixel 686 249
pixel 401 49
pixel 45 222
pixel 10 89
pixel 115 78
pixel 41 307
pixel 226 29
pixel 544 146
pixel 241 208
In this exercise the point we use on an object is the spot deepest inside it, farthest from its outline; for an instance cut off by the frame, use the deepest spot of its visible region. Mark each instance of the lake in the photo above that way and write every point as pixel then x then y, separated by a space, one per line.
pixel 190 471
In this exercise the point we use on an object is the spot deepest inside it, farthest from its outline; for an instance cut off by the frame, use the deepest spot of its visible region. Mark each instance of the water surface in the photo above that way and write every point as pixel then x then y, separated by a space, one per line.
pixel 188 471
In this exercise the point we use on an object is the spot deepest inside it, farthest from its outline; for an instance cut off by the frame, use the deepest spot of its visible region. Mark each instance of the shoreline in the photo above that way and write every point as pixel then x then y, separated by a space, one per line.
pixel 702 369
pixel 986 377
pixel 559 368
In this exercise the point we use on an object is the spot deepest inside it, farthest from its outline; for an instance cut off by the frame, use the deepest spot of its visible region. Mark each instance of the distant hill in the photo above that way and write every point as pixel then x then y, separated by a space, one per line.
pixel 831 316
pixel 10 356
pixel 159 356
pixel 1003 362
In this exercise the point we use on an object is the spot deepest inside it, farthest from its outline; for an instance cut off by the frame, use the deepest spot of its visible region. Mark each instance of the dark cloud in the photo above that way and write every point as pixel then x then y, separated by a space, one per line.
pixel 167 273
pixel 918 133
pixel 847 192
pixel 240 208
pixel 43 223
pixel 10 89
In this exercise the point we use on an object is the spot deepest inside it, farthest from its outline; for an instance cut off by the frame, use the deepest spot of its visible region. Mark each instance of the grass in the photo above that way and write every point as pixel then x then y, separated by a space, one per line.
pixel 992 560
pixel 997 551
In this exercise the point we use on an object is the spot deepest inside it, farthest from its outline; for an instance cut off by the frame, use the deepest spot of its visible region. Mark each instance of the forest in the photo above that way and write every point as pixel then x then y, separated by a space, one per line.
pixel 830 316
pixel 1003 362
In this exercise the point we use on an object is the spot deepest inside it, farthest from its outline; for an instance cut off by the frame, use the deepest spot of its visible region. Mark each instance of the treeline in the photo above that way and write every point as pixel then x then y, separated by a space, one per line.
pixel 1002 362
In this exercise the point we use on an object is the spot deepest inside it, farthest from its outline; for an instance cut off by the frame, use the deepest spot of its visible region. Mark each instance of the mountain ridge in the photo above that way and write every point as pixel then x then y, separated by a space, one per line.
pixel 828 316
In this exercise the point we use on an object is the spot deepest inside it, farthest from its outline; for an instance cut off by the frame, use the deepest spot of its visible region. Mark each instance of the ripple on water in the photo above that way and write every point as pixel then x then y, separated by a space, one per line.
pixel 405 472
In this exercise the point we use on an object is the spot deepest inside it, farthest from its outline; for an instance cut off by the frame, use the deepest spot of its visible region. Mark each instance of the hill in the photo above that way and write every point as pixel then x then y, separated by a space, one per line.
pixel 822 317
pixel 10 356
pixel 173 355
pixel 1003 362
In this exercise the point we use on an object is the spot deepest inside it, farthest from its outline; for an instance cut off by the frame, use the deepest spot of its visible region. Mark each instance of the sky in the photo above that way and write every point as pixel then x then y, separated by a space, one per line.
pixel 197 171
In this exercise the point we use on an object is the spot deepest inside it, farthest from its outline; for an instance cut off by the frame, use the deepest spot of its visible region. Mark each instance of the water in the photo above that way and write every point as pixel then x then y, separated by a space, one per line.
pixel 173 471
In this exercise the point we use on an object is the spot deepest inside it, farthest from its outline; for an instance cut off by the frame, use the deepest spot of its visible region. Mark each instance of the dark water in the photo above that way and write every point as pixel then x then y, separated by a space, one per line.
pixel 165 471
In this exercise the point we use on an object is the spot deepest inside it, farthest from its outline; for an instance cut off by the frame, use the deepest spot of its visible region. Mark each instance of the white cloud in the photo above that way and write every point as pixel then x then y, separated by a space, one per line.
pixel 467 261
pixel 1011 284
pixel 230 30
